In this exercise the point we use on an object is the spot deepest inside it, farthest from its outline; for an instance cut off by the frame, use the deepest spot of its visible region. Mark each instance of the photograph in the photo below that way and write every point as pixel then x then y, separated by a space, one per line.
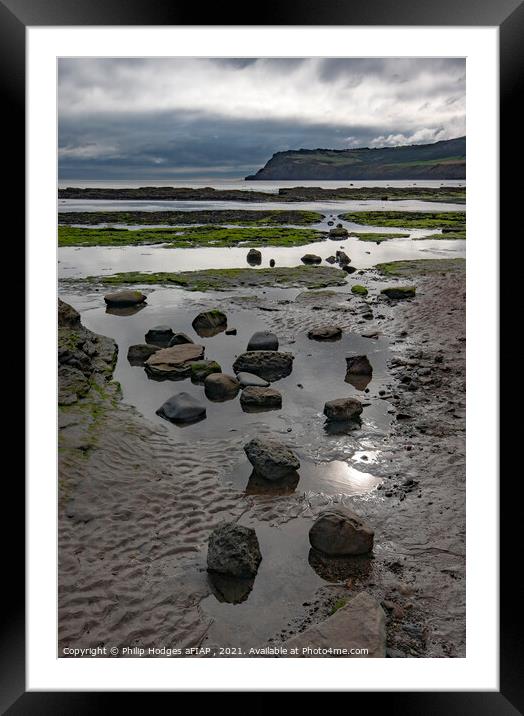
pixel 261 307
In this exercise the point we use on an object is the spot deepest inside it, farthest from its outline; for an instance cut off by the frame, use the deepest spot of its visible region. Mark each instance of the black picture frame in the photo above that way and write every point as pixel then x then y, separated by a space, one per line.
pixel 508 16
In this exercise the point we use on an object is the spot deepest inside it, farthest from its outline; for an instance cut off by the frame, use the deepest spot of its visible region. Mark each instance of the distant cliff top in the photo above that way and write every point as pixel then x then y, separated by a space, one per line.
pixel 440 160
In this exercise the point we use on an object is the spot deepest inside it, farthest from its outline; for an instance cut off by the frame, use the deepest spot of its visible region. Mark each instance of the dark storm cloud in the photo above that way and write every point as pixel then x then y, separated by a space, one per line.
pixel 162 118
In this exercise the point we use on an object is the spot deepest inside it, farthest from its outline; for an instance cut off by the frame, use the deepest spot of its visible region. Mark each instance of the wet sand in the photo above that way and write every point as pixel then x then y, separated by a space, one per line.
pixel 138 499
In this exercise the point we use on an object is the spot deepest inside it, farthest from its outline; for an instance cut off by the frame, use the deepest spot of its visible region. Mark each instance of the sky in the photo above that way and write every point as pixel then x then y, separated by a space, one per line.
pixel 181 118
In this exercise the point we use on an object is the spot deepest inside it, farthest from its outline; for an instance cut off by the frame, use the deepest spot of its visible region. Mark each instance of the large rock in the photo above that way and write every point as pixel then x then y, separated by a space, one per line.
pixel 255 398
pixel 325 333
pixel 342 409
pixel 139 353
pixel 174 363
pixel 339 232
pixel 339 532
pixel 399 292
pixel 311 259
pixel 271 458
pixel 247 379
pixel 342 258
pixel 182 408
pixel 159 335
pixel 270 365
pixel 178 339
pixel 359 625
pixel 233 550
pixel 209 323
pixel 202 368
pixel 358 365
pixel 124 298
pixel 68 317
pixel 254 257
pixel 220 387
pixel 263 341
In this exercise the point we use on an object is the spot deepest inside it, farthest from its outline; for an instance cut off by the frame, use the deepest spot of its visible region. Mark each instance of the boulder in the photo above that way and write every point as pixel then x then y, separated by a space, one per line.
pixel 311 259
pixel 220 386
pixel 182 408
pixel 271 458
pixel 348 269
pixel 325 333
pixel 342 409
pixel 201 369
pixel 263 341
pixel 360 624
pixel 272 263
pixel 233 550
pixel 339 532
pixel 173 363
pixel 124 298
pixel 399 292
pixel 270 365
pixel 159 335
pixel 343 258
pixel 358 365
pixel 254 257
pixel 331 259
pixel 139 353
pixel 178 339
pixel 254 398
pixel 247 379
pixel 209 323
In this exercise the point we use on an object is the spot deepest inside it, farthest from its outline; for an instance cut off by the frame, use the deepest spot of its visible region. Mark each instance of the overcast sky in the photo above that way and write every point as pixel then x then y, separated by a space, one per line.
pixel 224 118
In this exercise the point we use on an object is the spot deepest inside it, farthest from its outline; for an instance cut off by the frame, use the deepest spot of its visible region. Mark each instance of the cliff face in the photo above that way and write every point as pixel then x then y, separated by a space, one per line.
pixel 441 160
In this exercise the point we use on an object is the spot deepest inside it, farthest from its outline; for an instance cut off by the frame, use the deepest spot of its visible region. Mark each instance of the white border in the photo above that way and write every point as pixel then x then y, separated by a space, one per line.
pixel 479 671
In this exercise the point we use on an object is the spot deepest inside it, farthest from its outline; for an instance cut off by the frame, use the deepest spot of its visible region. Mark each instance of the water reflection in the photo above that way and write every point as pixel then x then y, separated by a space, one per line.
pixel 231 590
pixel 339 569
pixel 258 485
pixel 125 310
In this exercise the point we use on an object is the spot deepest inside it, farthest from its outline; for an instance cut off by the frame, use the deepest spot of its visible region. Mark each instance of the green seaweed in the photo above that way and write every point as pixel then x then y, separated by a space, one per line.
pixel 409 219
pixel 422 267
pixel 223 279
pixel 359 290
pixel 188 237
pixel 377 237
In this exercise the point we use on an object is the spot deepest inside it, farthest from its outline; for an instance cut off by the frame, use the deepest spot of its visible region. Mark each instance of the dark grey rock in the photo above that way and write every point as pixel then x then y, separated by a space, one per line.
pixel 139 353
pixel 178 339
pixel 358 365
pixel 270 365
pixel 311 259
pixel 263 341
pixel 254 398
pixel 233 550
pixel 159 335
pixel 341 532
pixel 254 257
pixel 271 458
pixel 124 298
pixel 342 409
pixel 220 387
pixel 247 379
pixel 182 408
pixel 209 323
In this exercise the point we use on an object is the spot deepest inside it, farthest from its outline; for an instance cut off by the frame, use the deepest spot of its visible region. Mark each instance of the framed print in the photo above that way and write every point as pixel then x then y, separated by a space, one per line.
pixel 263 324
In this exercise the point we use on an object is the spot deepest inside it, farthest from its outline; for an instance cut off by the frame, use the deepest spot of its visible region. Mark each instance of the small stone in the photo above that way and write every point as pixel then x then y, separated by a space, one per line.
pixel 247 379
pixel 311 259
pixel 358 365
pixel 138 354
pixel 160 335
pixel 325 333
pixel 399 293
pixel 209 323
pixel 178 339
pixel 254 257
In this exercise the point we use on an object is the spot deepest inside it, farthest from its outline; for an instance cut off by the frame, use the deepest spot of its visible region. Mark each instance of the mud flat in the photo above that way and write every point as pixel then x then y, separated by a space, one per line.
pixel 138 501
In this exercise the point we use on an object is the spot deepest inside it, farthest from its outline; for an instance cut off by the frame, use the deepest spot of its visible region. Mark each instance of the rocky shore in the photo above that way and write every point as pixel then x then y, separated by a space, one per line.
pixel 136 511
